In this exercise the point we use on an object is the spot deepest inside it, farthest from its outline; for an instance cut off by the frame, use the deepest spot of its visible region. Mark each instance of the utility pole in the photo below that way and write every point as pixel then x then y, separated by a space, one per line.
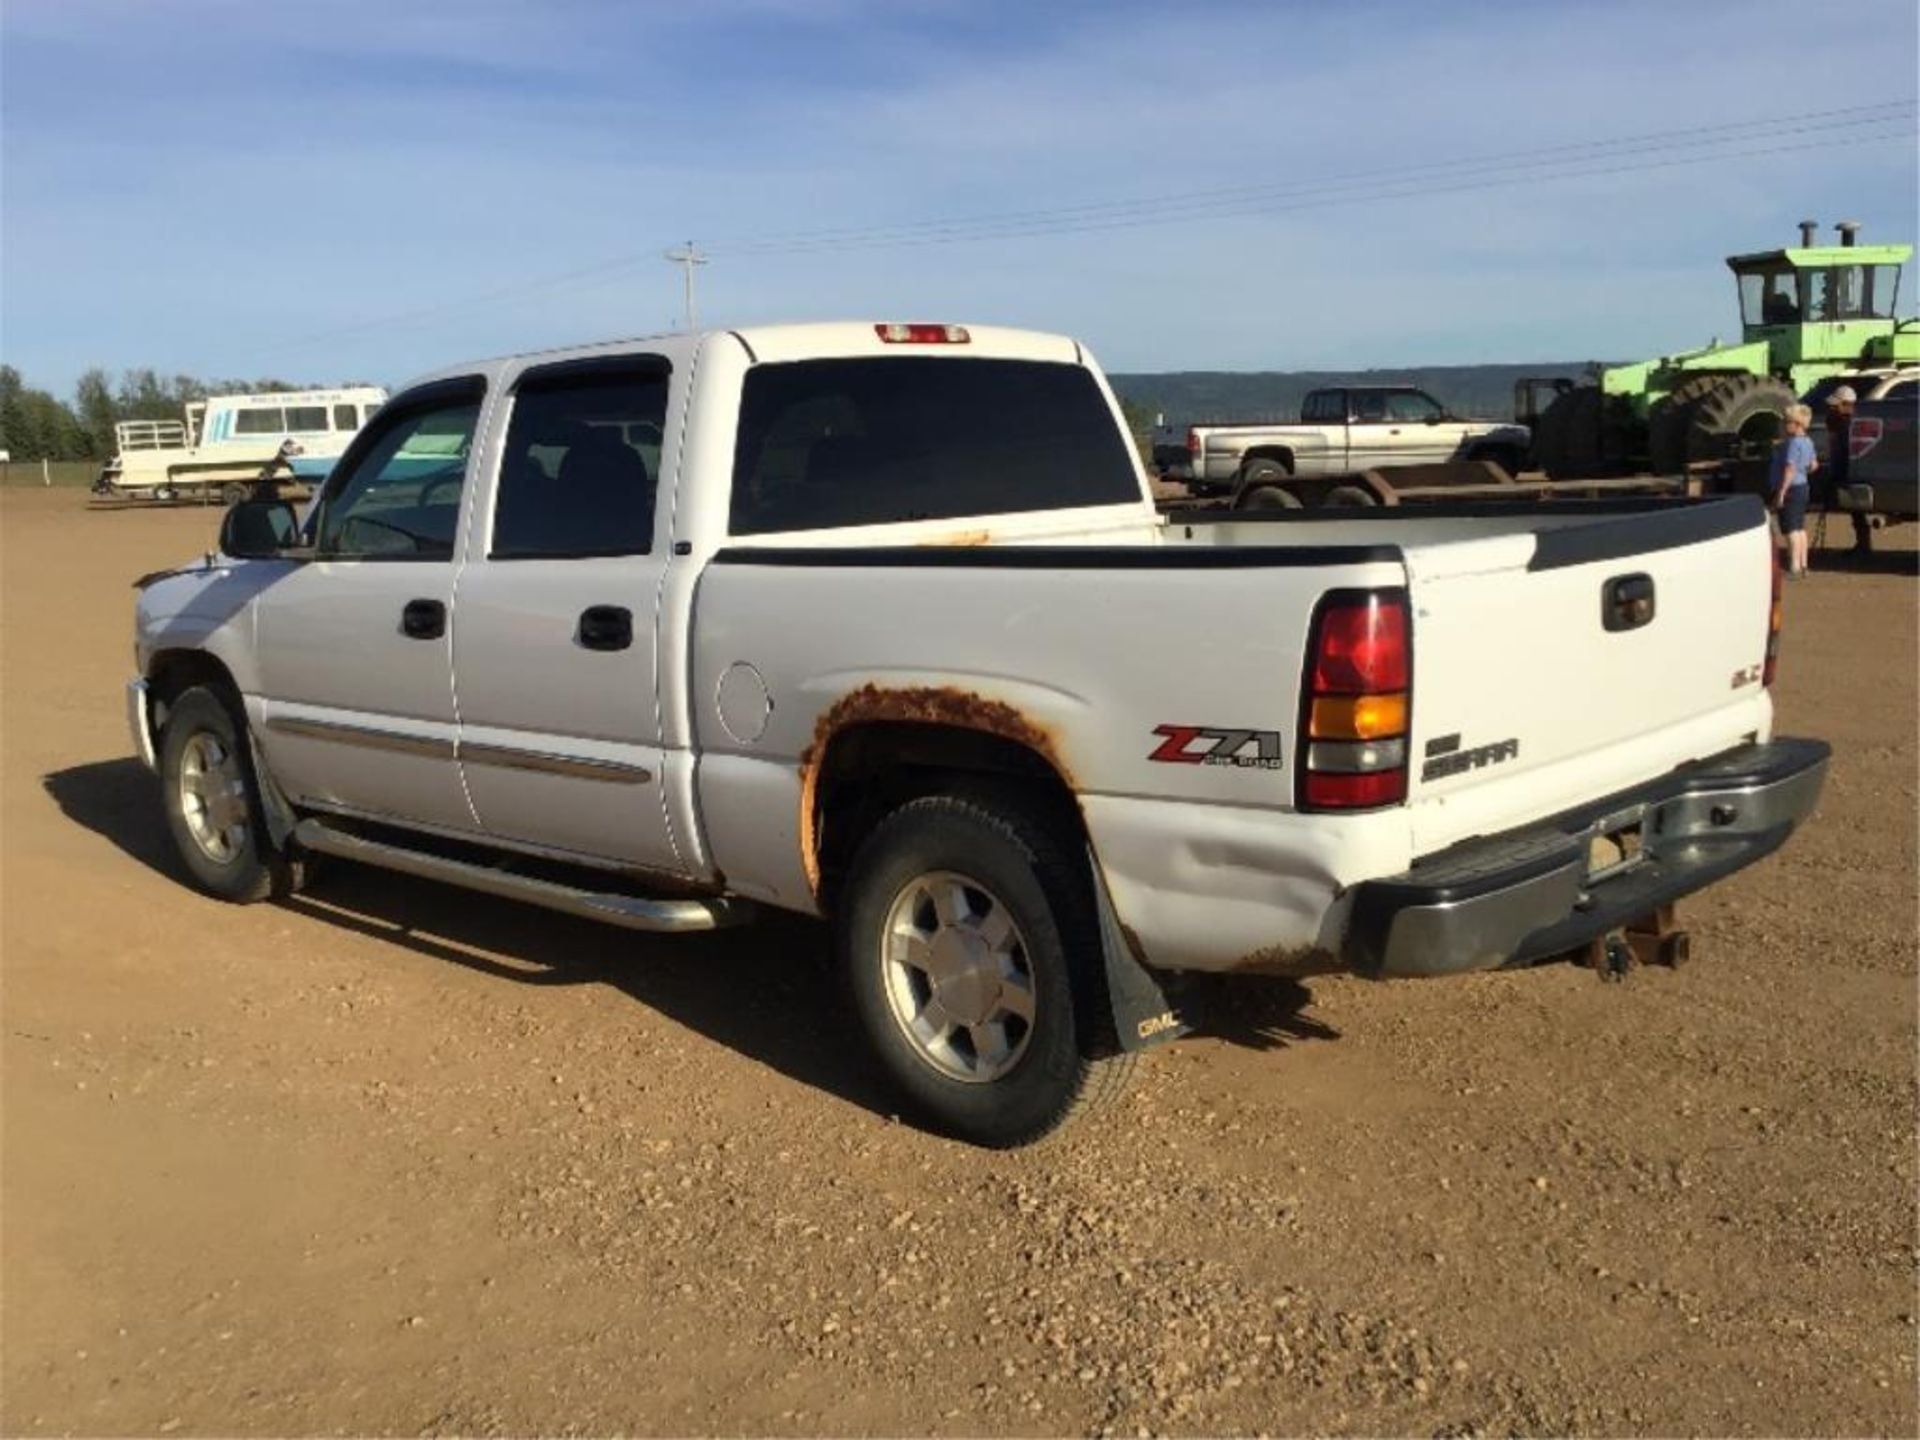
pixel 686 258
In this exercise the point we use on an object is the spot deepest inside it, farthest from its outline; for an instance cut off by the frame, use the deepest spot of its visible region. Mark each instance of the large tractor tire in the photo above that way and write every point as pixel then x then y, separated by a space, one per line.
pixel 1667 438
pixel 1567 442
pixel 1738 420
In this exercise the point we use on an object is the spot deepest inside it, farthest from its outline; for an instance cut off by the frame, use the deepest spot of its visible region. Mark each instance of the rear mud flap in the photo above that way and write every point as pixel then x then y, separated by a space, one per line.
pixel 1142 1013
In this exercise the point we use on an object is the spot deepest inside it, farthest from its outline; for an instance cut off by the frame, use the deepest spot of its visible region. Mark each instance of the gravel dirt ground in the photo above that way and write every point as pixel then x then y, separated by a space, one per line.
pixel 397 1159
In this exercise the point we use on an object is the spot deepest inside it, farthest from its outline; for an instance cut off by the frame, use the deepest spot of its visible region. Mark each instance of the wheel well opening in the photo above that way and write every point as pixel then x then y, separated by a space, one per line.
pixel 871 769
pixel 172 673
pixel 1279 454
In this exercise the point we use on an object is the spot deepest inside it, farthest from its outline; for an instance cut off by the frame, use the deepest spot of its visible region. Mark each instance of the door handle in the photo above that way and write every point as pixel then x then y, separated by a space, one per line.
pixel 606 627
pixel 423 620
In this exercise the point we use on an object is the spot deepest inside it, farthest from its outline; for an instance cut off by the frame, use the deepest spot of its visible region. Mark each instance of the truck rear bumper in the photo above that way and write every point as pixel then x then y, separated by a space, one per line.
pixel 1508 899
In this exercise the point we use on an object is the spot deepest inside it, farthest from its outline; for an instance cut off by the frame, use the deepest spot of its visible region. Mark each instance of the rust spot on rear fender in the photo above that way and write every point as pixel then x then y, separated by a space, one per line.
pixel 914 705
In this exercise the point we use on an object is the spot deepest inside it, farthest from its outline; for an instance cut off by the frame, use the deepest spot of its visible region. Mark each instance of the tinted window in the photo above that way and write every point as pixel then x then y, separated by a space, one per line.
pixel 1412 407
pixel 259 422
pixel 1902 390
pixel 1369 409
pixel 343 418
pixel 304 418
pixel 582 462
pixel 367 412
pixel 831 443
pixel 397 495
pixel 1325 407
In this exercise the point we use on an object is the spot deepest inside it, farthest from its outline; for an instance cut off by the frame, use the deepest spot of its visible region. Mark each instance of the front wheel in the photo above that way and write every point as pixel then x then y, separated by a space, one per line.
pixel 970 951
pixel 213 804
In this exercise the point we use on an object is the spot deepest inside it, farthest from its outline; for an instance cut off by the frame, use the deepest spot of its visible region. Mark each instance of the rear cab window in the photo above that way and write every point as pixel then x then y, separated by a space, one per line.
pixel 829 444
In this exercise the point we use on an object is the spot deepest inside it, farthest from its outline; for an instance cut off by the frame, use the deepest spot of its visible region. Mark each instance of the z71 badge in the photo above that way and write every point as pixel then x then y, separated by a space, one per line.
pixel 1213 745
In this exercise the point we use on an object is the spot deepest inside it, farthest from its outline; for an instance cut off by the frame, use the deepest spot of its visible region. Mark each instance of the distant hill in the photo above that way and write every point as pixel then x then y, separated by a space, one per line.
pixel 1183 396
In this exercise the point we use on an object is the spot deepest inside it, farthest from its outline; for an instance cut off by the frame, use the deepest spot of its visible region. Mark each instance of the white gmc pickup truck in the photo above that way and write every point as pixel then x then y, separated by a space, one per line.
pixel 879 623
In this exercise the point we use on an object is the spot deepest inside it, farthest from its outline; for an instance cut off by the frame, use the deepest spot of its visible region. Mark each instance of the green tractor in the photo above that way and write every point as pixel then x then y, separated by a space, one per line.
pixel 1805 313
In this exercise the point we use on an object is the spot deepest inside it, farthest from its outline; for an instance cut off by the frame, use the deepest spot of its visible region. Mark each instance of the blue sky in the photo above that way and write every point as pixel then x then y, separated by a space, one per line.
pixel 368 190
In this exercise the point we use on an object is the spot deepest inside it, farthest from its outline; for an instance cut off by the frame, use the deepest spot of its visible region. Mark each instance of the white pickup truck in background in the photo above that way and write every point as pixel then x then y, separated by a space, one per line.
pixel 1342 430
pixel 667 630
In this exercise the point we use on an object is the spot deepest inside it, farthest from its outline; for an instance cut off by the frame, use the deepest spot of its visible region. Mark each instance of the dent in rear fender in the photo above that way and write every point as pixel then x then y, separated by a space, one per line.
pixel 1218 887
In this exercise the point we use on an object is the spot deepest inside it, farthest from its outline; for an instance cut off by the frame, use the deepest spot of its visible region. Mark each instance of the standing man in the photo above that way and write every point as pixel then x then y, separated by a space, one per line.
pixel 1840 462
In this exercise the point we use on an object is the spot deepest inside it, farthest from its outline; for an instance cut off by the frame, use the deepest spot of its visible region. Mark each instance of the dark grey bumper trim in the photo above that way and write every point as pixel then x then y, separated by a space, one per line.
pixel 1522 896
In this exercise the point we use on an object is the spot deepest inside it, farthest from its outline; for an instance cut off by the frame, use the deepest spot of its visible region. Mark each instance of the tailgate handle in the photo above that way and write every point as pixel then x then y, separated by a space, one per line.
pixel 1626 602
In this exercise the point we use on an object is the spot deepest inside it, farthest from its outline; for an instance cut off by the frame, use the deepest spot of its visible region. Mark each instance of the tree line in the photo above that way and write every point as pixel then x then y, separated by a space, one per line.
pixel 37 425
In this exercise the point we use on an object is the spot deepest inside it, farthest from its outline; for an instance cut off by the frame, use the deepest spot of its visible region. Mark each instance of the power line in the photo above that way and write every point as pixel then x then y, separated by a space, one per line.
pixel 1692 145
pixel 1692 136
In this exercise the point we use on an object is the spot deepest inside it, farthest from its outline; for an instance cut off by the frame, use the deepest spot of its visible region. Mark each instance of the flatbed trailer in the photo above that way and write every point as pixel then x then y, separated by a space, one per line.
pixel 1458 481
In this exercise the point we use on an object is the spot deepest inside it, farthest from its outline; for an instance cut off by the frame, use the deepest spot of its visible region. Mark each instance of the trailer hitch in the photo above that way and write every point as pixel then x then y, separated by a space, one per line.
pixel 1655 938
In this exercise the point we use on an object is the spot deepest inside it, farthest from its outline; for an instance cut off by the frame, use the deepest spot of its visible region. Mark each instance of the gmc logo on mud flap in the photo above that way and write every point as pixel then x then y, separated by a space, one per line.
pixel 1211 745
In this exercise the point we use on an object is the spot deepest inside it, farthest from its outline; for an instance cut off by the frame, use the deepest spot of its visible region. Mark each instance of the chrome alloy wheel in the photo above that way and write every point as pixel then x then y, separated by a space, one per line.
pixel 213 797
pixel 957 976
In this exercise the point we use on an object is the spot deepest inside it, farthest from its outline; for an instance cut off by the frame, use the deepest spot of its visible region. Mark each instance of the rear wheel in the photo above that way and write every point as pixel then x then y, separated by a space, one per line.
pixel 1347 497
pixel 1263 471
pixel 970 950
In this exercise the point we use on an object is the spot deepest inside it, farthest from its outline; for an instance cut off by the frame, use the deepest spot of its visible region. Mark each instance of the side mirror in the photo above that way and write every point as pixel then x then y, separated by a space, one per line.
pixel 259 530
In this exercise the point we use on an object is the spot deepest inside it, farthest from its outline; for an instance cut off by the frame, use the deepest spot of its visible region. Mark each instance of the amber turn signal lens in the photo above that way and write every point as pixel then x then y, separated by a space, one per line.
pixel 1358 717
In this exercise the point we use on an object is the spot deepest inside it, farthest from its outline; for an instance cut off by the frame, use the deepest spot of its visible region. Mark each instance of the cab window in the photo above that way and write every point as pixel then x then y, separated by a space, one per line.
pixel 581 466
pixel 396 493
pixel 1325 407
pixel 1412 408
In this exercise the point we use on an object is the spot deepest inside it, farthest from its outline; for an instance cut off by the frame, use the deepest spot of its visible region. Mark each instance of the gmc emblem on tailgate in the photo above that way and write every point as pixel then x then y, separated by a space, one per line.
pixel 1212 745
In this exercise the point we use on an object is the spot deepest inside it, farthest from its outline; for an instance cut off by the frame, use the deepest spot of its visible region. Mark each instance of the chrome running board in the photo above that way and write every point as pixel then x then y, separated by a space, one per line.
pixel 634 912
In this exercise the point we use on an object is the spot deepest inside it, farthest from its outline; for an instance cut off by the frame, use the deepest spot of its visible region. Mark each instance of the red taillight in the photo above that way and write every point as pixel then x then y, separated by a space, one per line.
pixel 922 334
pixel 1775 616
pixel 1863 435
pixel 1355 713
pixel 1193 441
pixel 1360 791
pixel 1361 646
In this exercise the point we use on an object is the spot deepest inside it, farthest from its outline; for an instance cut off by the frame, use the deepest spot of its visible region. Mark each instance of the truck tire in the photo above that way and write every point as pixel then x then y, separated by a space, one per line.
pixel 1738 419
pixel 1263 471
pixel 212 802
pixel 1668 425
pixel 970 950
pixel 1267 497
pixel 1348 497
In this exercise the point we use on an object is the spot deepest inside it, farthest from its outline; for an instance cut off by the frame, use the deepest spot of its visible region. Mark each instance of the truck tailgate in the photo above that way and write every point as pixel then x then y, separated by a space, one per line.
pixel 1580 658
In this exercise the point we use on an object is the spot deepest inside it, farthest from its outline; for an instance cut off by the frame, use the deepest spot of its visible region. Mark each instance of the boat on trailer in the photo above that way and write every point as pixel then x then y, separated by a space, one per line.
pixel 224 444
